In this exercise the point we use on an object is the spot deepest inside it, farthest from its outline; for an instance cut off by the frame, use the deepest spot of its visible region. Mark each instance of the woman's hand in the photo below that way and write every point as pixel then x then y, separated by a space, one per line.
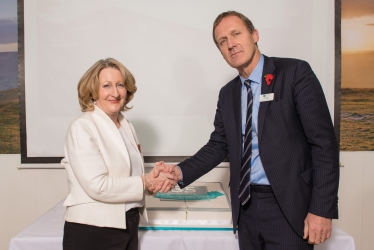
pixel 161 178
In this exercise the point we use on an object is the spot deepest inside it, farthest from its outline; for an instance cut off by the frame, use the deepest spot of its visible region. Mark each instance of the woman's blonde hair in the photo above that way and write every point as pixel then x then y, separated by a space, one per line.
pixel 88 86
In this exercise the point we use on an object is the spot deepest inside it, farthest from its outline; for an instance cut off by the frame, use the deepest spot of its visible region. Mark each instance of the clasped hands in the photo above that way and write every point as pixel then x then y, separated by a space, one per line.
pixel 162 178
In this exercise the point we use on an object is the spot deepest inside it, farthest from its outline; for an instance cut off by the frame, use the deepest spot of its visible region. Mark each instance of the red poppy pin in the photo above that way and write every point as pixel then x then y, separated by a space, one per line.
pixel 269 78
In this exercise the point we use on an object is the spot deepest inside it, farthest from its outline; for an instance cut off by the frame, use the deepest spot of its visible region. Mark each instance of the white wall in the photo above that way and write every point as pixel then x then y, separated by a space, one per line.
pixel 356 192
pixel 27 194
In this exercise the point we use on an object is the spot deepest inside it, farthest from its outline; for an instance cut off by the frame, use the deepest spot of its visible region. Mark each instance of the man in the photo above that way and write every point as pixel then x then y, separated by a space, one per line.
pixel 284 188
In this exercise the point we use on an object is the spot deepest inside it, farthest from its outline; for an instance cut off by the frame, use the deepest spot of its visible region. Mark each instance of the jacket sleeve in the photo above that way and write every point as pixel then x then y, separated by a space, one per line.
pixel 86 165
pixel 316 121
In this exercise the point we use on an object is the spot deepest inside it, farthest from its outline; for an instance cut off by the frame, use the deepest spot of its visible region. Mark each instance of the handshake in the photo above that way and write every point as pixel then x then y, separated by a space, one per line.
pixel 162 178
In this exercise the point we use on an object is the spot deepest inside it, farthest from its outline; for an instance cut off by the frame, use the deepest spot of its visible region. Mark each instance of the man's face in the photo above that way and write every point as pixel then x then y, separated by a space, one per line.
pixel 236 43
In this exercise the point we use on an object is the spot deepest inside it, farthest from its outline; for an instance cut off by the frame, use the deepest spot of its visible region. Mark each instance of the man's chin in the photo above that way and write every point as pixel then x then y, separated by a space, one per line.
pixel 236 65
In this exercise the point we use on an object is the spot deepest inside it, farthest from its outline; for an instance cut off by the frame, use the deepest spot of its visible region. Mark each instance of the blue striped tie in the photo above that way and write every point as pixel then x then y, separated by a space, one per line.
pixel 244 186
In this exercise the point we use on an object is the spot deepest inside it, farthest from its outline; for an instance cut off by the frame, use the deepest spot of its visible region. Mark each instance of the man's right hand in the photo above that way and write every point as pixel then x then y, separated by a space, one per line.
pixel 161 168
pixel 169 168
pixel 162 178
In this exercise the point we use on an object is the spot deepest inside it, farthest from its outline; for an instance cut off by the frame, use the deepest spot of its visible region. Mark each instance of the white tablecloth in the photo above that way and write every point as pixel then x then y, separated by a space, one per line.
pixel 46 234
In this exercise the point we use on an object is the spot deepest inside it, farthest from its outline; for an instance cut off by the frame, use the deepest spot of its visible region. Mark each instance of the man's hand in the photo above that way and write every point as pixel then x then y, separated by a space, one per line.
pixel 161 170
pixel 170 168
pixel 317 229
pixel 161 178
pixel 162 167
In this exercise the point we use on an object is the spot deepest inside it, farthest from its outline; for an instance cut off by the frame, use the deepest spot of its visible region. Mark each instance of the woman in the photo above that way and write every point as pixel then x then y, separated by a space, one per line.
pixel 104 165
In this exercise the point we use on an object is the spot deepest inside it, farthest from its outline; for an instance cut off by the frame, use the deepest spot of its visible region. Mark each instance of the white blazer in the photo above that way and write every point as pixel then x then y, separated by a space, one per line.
pixel 98 167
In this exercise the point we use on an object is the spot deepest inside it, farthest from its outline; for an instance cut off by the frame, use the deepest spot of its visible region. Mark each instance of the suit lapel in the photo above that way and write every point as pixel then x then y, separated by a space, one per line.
pixel 269 68
pixel 237 109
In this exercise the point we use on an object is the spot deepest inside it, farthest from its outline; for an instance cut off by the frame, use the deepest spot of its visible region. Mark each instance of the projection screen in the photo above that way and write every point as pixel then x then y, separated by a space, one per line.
pixel 168 46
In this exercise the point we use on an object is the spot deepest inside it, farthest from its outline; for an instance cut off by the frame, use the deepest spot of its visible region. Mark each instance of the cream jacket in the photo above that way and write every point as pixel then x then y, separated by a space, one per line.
pixel 98 167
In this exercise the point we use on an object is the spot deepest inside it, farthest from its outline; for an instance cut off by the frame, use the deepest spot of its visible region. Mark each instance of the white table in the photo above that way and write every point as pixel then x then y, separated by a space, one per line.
pixel 46 233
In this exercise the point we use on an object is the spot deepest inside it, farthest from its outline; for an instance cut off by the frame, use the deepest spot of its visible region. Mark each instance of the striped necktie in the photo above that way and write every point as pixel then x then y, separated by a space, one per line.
pixel 244 186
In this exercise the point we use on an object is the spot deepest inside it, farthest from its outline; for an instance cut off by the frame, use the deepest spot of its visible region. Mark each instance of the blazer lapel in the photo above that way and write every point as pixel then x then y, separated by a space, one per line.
pixel 111 137
pixel 269 68
pixel 125 125
pixel 131 135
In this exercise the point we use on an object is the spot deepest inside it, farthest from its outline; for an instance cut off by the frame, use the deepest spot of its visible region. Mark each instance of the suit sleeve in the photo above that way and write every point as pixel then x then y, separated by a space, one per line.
pixel 210 155
pixel 84 161
pixel 316 121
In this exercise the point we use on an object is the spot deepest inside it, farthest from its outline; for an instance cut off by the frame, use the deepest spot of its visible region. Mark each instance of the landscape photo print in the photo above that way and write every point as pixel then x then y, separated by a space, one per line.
pixel 9 102
pixel 357 84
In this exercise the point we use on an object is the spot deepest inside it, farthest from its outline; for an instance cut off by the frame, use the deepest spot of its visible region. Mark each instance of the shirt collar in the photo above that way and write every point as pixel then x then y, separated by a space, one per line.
pixel 256 74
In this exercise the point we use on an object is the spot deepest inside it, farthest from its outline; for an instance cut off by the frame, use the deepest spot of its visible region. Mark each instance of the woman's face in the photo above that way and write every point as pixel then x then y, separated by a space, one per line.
pixel 112 92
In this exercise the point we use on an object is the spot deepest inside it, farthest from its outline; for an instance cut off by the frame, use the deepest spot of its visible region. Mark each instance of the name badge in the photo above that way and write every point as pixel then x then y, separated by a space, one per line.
pixel 266 97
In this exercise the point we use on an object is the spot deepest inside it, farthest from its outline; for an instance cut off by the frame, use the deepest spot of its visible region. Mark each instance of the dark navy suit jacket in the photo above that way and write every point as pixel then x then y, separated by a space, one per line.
pixel 297 143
